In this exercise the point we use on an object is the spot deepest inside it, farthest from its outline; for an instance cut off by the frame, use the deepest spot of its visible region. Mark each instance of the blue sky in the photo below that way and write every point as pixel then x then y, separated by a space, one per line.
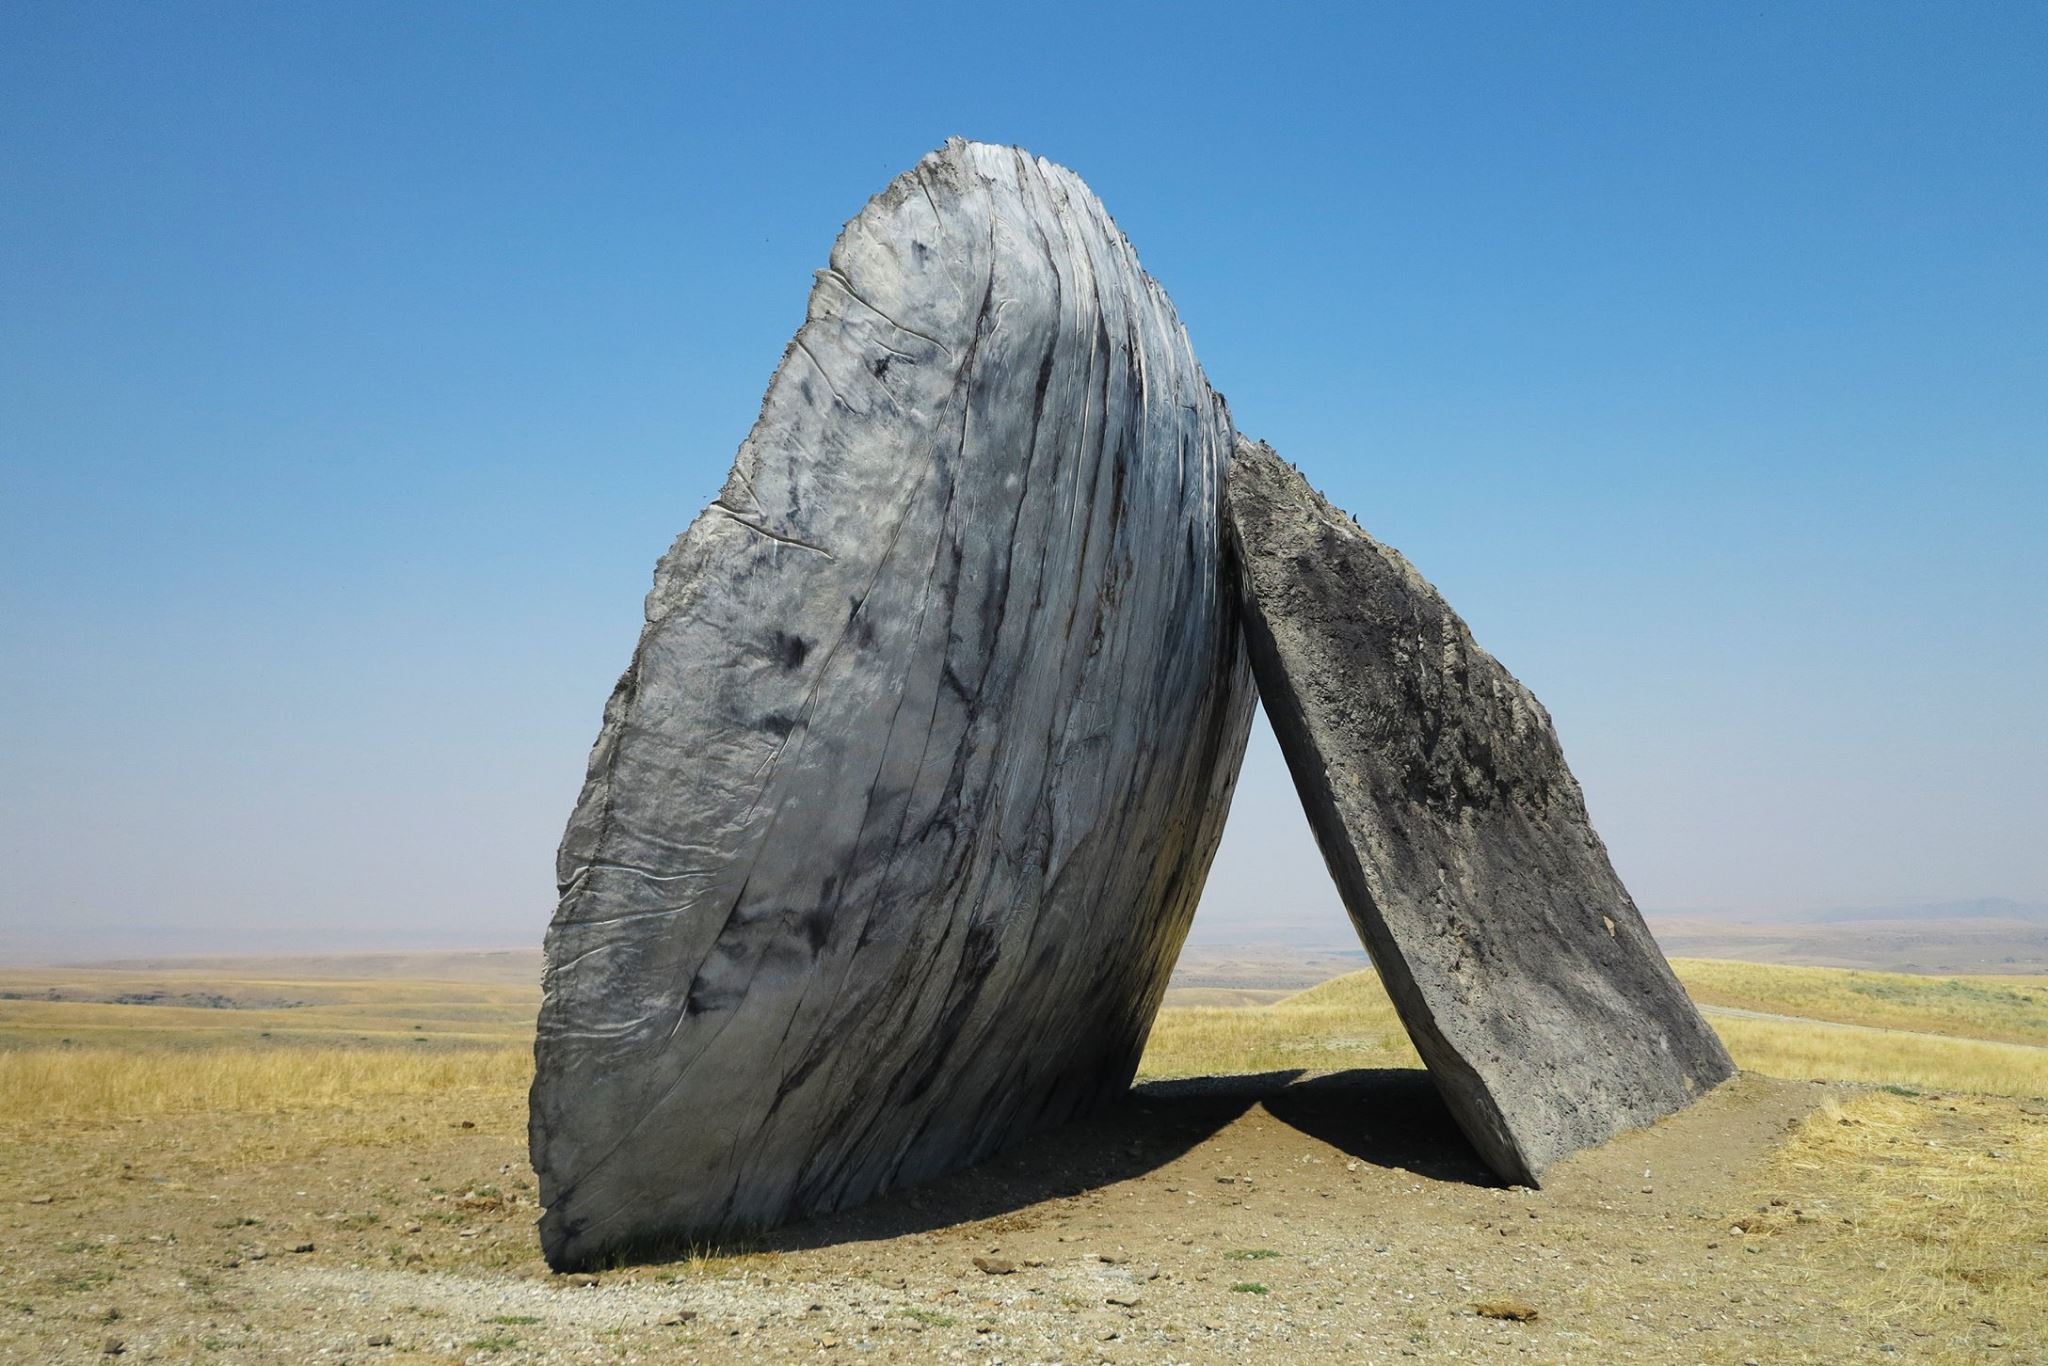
pixel 356 362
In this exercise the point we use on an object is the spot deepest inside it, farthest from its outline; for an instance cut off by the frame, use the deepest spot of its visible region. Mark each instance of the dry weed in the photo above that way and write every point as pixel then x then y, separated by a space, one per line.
pixel 1884 1057
pixel 2007 1009
pixel 1943 1206
pixel 59 1085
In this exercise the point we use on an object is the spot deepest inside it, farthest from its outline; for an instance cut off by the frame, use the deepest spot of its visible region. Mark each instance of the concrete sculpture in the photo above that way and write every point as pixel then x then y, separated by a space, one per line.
pixel 1459 841
pixel 897 820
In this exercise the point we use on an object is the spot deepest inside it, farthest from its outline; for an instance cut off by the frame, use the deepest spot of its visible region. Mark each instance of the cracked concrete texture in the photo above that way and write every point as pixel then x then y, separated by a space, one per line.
pixel 1458 839
pixel 898 817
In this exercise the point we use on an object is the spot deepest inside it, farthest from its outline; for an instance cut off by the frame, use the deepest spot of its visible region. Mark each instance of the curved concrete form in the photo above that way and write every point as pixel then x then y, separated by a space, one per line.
pixel 900 813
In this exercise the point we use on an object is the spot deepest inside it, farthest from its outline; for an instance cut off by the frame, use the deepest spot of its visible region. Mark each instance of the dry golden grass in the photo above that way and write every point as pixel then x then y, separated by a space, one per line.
pixel 345 1060
pixel 359 1042
pixel 1193 1041
pixel 192 1104
pixel 1345 1022
pixel 83 1085
pixel 2008 1009
pixel 81 1005
pixel 1224 996
pixel 1851 1053
pixel 1349 1022
pixel 1947 1207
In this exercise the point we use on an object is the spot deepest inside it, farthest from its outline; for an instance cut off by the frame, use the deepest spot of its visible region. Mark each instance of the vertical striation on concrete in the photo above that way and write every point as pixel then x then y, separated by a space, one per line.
pixel 899 815
pixel 1458 839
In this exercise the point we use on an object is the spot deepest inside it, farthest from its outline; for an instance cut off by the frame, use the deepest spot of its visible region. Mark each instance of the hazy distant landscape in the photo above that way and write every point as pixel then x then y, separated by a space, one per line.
pixel 1983 936
pixel 1990 935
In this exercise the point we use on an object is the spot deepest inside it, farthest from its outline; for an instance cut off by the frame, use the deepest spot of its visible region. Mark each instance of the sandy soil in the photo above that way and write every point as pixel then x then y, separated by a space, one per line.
pixel 1249 1219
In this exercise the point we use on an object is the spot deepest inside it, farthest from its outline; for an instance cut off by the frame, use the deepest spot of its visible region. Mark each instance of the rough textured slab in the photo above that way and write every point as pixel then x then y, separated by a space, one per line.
pixel 897 820
pixel 1459 841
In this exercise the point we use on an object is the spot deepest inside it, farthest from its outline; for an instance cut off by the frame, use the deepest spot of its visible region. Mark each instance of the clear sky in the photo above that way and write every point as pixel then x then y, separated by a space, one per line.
pixel 357 361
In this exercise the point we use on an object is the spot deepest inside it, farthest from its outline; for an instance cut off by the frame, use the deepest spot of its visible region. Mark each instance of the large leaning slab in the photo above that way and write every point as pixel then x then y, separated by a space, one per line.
pixel 899 816
pixel 1459 841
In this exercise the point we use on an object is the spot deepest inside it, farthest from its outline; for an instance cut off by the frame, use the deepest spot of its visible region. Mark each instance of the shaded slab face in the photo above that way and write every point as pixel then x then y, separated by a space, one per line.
pixel 1459 841
pixel 897 820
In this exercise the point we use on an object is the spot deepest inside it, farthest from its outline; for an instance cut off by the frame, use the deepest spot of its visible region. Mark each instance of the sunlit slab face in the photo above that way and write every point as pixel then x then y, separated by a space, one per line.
pixel 901 811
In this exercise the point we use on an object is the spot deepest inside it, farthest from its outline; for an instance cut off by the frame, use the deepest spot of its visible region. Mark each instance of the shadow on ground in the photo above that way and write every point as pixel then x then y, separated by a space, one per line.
pixel 1390 1117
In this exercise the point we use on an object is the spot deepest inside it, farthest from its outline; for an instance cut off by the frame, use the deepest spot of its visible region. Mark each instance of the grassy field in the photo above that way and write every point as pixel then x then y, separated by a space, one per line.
pixel 342 1053
pixel 1934 1179
pixel 2006 1009
pixel 76 1043
pixel 1952 1192
pixel 79 1085
pixel 262 1005
pixel 1884 1058
pixel 1939 1033
pixel 1345 1022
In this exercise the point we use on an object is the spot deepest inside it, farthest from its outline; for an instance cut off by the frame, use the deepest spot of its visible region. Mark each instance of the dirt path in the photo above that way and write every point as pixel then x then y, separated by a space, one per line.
pixel 1240 1220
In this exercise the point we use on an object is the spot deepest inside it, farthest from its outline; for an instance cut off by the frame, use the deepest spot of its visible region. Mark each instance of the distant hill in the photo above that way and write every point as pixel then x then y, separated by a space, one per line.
pixel 1984 908
pixel 1988 935
pixel 514 967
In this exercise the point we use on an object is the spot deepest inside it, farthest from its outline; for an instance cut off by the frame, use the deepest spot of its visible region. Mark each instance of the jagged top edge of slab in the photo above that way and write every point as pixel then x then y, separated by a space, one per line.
pixel 1254 453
